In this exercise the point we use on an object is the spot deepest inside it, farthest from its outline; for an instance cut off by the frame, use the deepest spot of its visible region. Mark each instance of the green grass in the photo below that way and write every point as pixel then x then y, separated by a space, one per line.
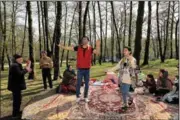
pixel 36 86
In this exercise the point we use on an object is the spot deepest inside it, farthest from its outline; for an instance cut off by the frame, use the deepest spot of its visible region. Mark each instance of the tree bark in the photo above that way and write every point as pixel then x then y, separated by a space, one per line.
pixel 24 34
pixel 31 52
pixel 116 29
pixel 39 25
pixel 94 29
pixel 85 18
pixel 112 38
pixel 172 26
pixel 70 35
pixel 176 40
pixel 124 38
pixel 158 32
pixel 146 55
pixel 57 39
pixel 105 42
pixel 130 21
pixel 139 24
pixel 80 21
pixel 62 56
pixel 167 32
pixel 4 37
pixel 100 57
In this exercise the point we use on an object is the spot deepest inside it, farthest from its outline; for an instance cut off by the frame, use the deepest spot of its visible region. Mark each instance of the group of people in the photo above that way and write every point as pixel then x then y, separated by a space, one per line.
pixel 72 82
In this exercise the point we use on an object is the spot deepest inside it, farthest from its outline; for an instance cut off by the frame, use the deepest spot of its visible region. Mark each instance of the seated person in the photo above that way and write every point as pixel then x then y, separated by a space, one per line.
pixel 148 86
pixel 69 80
pixel 164 84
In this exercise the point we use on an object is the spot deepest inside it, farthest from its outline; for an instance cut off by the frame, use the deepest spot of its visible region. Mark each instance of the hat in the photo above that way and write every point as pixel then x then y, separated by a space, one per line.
pixel 43 52
pixel 16 56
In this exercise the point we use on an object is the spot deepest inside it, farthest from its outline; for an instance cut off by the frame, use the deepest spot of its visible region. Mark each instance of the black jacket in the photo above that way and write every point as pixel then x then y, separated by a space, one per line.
pixel 16 80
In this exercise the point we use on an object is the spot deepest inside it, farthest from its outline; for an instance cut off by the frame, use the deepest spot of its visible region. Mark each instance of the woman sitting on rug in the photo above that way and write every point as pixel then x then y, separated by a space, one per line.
pixel 148 86
pixel 69 80
pixel 164 84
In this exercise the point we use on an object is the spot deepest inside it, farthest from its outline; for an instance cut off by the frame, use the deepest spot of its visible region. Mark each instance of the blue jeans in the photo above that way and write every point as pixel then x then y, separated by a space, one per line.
pixel 80 74
pixel 125 92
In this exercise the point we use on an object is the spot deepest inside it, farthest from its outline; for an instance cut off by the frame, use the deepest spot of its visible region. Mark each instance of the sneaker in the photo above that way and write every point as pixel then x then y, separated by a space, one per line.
pixel 86 100
pixel 78 100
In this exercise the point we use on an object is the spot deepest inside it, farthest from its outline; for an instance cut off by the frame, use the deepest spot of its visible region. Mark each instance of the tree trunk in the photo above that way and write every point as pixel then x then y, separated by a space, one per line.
pixel 139 24
pixel 44 36
pixel 146 55
pixel 46 27
pixel 115 26
pixel 124 39
pixel 39 25
pixel 100 57
pixel 94 29
pixel 112 38
pixel 167 32
pixel 80 22
pixel 130 21
pixel 31 52
pixel 172 26
pixel 62 56
pixel 176 40
pixel 105 42
pixel 4 37
pixel 70 35
pixel 24 34
pixel 57 39
pixel 158 32
pixel 85 18
pixel 90 37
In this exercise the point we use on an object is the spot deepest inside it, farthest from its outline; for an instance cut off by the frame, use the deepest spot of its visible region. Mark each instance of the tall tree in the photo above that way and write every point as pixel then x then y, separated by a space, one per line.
pixel 130 22
pixel 85 18
pixel 57 39
pixel 112 38
pixel 24 37
pixel 31 52
pixel 167 32
pixel 146 55
pixel 116 29
pixel 124 38
pixel 4 36
pixel 100 57
pixel 139 24
pixel 46 26
pixel 39 25
pixel 172 26
pixel 94 29
pixel 176 40
pixel 105 42
pixel 65 21
pixel 70 35
pixel 43 28
pixel 158 32
pixel 80 21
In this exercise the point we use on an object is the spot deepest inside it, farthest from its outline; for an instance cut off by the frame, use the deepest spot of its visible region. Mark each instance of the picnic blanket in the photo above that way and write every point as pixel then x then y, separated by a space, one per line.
pixel 103 105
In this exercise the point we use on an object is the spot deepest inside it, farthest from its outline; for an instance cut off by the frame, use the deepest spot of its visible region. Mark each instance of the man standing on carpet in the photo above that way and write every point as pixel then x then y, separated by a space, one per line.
pixel 126 67
pixel 16 83
pixel 84 57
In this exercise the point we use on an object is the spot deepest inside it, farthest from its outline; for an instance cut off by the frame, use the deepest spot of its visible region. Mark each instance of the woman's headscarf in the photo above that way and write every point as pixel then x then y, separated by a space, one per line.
pixel 72 71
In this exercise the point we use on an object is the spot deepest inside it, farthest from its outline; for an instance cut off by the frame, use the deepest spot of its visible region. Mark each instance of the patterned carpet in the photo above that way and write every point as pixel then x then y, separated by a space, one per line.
pixel 103 105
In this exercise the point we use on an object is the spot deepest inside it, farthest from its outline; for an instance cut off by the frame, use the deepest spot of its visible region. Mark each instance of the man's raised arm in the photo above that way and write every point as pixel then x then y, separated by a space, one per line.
pixel 97 50
pixel 71 48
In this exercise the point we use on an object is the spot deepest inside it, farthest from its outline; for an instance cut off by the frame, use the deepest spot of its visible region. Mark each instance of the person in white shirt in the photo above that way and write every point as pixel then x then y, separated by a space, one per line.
pixel 126 67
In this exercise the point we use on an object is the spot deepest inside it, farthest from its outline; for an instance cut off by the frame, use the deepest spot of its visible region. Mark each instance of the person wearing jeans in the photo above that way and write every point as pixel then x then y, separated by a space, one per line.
pixel 82 73
pixel 126 67
pixel 84 57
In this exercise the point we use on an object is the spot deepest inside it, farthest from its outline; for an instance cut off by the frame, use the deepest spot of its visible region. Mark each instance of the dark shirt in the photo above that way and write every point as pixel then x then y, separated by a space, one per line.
pixel 16 80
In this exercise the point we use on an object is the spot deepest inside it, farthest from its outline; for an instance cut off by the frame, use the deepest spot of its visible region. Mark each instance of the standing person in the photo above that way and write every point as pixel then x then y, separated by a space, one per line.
pixel 84 57
pixel 46 64
pixel 126 67
pixel 16 83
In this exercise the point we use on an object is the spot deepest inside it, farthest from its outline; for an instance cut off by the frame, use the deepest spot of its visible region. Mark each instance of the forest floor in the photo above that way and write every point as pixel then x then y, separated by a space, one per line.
pixel 35 88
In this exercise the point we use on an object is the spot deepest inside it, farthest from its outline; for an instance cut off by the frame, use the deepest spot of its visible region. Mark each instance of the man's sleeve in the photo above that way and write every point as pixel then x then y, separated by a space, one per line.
pixel 76 48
